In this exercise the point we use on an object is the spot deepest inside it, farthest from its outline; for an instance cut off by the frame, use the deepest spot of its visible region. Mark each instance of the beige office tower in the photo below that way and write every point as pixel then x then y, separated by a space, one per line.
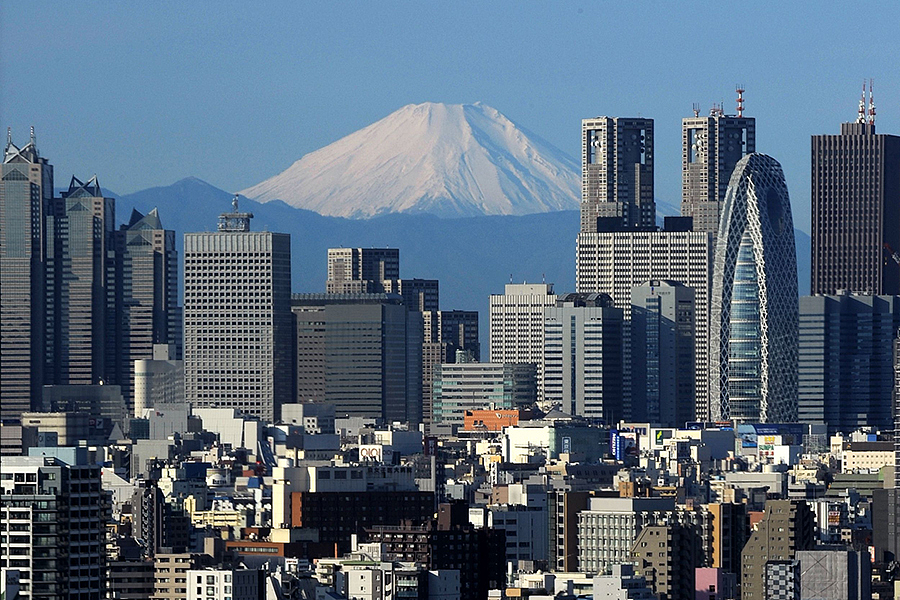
pixel 237 318
pixel 710 148
pixel 617 174
pixel 615 263
pixel 517 325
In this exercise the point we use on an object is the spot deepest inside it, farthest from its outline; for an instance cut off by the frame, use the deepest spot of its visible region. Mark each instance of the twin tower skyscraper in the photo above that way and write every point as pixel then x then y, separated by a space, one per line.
pixel 734 245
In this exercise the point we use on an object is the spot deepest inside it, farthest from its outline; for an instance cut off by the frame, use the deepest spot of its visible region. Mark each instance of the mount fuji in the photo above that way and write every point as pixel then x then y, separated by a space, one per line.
pixel 448 160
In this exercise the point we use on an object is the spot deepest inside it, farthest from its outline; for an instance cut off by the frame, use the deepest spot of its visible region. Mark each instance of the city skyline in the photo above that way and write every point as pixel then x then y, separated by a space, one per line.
pixel 309 81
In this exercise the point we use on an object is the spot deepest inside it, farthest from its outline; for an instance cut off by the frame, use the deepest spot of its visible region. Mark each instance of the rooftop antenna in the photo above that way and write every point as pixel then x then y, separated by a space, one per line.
pixel 740 100
pixel 234 202
pixel 510 278
pixel 9 136
pixel 861 118
pixel 32 135
pixel 696 109
pixel 871 101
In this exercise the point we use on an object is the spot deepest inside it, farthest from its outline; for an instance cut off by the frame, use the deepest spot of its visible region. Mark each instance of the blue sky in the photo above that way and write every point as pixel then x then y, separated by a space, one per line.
pixel 145 93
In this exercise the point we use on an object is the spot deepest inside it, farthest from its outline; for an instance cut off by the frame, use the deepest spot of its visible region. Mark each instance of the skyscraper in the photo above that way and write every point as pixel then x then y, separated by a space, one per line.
pixel 237 318
pixel 753 322
pixel 144 298
pixel 711 146
pixel 663 339
pixel 617 174
pixel 26 190
pixel 360 353
pixel 855 209
pixel 78 259
pixel 846 374
pixel 614 263
pixel 517 325
pixel 584 352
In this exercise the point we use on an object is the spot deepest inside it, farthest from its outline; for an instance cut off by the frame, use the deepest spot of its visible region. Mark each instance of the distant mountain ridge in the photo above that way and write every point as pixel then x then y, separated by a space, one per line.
pixel 460 160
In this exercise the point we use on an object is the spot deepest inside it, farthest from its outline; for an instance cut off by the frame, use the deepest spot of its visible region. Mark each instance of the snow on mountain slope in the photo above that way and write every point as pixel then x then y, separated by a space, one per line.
pixel 449 160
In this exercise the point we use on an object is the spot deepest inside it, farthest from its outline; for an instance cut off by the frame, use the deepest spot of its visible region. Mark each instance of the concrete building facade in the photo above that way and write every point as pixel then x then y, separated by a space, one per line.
pixel 617 173
pixel 584 355
pixel 855 210
pixel 615 263
pixel 711 146
pixel 237 318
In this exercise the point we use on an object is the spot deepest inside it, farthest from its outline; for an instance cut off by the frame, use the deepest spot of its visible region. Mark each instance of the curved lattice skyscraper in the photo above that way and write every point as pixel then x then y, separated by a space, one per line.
pixel 753 316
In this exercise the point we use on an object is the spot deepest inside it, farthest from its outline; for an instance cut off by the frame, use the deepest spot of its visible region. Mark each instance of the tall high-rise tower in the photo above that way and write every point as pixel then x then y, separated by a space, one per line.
pixel 617 174
pixel 237 318
pixel 754 311
pixel 26 190
pixel 856 209
pixel 144 295
pixel 79 247
pixel 711 146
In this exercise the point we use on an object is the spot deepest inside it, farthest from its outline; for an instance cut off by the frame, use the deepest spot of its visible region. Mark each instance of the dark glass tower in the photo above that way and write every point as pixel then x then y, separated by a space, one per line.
pixel 26 190
pixel 753 321
pixel 855 211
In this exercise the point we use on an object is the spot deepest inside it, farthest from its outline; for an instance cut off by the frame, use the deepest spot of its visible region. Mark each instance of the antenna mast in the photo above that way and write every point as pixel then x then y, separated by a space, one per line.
pixel 861 118
pixel 740 100
pixel 872 102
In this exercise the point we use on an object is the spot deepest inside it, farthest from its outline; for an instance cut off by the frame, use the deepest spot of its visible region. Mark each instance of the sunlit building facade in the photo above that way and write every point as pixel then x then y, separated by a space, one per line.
pixel 754 310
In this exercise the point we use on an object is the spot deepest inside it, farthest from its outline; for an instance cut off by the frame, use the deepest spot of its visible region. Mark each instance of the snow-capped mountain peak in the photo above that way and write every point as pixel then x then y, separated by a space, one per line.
pixel 451 160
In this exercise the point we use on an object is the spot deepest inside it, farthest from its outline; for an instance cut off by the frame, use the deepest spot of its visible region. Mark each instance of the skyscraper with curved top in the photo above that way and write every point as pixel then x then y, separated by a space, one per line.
pixel 753 324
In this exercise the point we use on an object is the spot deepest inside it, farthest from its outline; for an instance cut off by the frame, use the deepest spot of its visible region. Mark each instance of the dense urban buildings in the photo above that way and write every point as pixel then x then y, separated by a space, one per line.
pixel 845 370
pixel 711 146
pixel 615 263
pixel 348 444
pixel 362 353
pixel 753 317
pixel 617 174
pixel 237 318
pixel 855 209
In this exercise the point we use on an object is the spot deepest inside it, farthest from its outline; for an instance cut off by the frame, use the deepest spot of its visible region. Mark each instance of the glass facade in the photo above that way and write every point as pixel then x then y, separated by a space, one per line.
pixel 754 311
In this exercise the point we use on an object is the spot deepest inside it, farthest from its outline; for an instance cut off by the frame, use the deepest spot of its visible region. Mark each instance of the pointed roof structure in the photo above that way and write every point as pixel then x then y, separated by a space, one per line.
pixel 149 221
pixel 26 154
pixel 80 189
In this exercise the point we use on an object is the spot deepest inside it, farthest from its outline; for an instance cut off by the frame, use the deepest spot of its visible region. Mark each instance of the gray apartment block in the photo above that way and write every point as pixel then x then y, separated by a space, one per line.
pixel 846 374
pixel 237 318
pixel 361 353
pixel 584 354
